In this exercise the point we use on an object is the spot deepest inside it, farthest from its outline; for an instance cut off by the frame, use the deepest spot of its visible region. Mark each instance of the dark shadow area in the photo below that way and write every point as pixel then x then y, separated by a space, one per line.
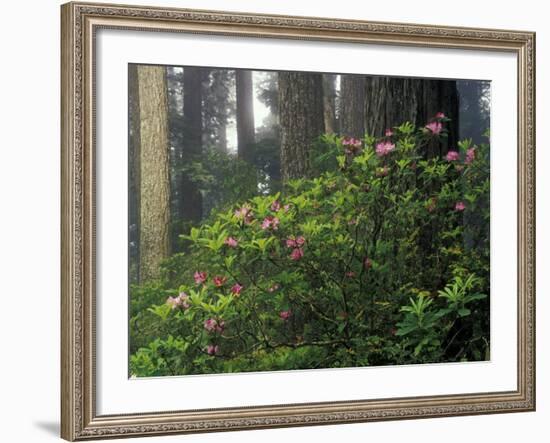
pixel 50 427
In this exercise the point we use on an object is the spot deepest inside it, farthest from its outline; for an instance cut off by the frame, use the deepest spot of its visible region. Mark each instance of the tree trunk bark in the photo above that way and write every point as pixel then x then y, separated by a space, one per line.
pixel 190 197
pixel 390 102
pixel 245 114
pixel 329 103
pixel 154 220
pixel 134 171
pixel 352 106
pixel 301 119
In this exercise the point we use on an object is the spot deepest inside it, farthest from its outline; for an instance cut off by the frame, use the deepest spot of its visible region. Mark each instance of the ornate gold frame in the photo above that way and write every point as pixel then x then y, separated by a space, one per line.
pixel 79 420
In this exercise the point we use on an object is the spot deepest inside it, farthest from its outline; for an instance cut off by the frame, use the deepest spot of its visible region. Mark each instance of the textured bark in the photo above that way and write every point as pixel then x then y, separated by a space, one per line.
pixel 392 101
pixel 329 103
pixel 352 106
pixel 154 220
pixel 134 167
pixel 245 114
pixel 190 197
pixel 301 119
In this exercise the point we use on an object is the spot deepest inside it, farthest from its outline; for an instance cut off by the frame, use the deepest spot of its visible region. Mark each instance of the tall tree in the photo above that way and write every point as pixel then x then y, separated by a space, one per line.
pixel 133 172
pixel 390 101
pixel 154 174
pixel 190 197
pixel 301 119
pixel 329 102
pixel 352 105
pixel 245 114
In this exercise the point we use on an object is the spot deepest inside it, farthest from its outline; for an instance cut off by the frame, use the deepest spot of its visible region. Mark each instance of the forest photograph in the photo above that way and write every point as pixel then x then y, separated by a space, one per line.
pixel 284 220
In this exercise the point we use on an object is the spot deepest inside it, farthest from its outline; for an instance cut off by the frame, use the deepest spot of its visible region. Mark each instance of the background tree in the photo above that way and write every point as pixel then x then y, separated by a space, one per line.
pixel 154 175
pixel 245 114
pixel 389 101
pixel 301 118
pixel 329 102
pixel 352 106
pixel 190 198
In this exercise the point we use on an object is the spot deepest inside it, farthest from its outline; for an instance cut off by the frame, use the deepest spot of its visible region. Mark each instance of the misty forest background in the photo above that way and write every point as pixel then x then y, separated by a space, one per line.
pixel 294 220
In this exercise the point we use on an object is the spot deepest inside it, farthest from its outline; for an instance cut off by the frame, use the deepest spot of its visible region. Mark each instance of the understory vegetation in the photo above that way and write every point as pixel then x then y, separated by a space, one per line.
pixel 379 257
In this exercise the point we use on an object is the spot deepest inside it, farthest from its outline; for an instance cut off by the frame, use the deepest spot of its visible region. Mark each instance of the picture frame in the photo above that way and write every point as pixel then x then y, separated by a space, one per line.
pixel 80 176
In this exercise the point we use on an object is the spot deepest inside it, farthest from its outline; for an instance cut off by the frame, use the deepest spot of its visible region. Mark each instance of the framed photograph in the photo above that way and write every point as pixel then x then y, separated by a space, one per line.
pixel 282 221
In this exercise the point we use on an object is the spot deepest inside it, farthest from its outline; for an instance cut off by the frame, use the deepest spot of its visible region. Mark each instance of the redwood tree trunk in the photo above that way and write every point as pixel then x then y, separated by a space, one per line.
pixel 245 114
pixel 301 119
pixel 154 174
pixel 352 106
pixel 329 103
pixel 392 101
pixel 190 198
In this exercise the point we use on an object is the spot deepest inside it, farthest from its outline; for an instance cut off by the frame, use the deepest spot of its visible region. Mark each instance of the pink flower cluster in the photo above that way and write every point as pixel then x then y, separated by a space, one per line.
pixel 214 326
pixel 276 206
pixel 384 148
pixel 388 132
pixel 285 315
pixel 351 145
pixel 460 206
pixel 270 222
pixel 200 277
pixel 470 156
pixel 452 156
pixel 435 127
pixel 181 301
pixel 245 214
pixel 297 244
pixel 219 281
pixel 236 289
pixel 212 349
pixel 231 242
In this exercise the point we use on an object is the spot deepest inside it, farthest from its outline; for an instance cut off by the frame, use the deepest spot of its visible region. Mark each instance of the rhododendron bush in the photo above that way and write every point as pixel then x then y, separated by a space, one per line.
pixel 381 258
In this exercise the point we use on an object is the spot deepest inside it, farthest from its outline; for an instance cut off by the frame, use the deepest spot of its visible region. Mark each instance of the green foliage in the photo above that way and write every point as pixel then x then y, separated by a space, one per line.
pixel 382 258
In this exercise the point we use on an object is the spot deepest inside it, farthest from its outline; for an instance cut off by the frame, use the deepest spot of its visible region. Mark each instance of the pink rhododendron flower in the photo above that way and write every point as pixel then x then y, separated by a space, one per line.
pixel 285 315
pixel 236 289
pixel 213 325
pixel 173 302
pixel 219 280
pixel 440 115
pixel 389 132
pixel 352 145
pixel 470 155
pixel 212 349
pixel 367 263
pixel 452 156
pixel 297 254
pixel 292 242
pixel 435 127
pixel 460 206
pixel 245 214
pixel 231 242
pixel 200 277
pixel 276 206
pixel 384 148
pixel 270 222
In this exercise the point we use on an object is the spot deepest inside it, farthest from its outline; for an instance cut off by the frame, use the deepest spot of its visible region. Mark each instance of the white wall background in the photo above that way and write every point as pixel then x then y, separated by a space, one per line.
pixel 29 219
